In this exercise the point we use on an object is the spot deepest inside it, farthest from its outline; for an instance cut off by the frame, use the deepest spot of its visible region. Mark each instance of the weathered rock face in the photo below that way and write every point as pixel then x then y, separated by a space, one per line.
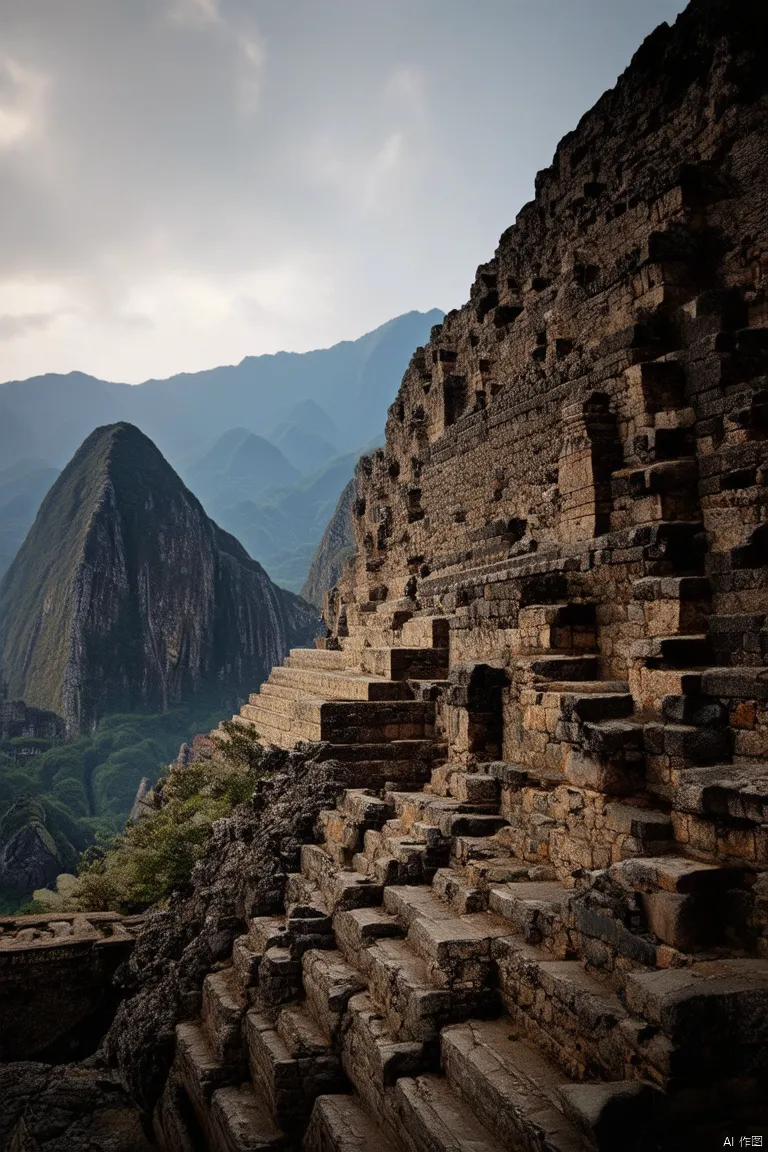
pixel 125 596
pixel 16 720
pixel 29 857
pixel 70 1109
pixel 336 546
pixel 243 874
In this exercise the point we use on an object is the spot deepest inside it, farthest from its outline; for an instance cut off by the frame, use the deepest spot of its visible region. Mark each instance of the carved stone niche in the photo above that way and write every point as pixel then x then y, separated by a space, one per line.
pixel 590 452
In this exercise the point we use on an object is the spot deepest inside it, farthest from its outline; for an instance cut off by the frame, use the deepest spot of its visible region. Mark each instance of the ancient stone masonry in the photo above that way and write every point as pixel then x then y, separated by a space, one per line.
pixel 56 982
pixel 538 920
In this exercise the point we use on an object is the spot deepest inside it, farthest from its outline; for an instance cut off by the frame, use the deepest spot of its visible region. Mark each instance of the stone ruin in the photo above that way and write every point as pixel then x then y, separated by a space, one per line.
pixel 57 995
pixel 540 922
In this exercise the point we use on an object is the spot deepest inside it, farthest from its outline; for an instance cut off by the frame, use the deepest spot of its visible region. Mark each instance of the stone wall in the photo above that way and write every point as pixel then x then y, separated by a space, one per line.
pixel 57 996
pixel 577 462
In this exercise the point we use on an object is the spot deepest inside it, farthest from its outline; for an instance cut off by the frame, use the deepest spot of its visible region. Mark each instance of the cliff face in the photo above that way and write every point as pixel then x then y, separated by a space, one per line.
pixel 126 596
pixel 29 857
pixel 337 544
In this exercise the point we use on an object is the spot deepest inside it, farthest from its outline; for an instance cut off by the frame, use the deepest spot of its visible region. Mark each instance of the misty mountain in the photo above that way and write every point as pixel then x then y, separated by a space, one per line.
pixel 22 488
pixel 239 466
pixel 353 382
pixel 337 543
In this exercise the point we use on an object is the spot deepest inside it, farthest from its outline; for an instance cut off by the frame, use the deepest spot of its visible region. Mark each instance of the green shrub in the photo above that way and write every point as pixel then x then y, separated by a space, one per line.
pixel 155 855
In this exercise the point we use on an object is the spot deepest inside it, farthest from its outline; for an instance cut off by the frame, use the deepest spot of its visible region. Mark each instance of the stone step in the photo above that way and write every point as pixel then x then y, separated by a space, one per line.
pixel 198 1071
pixel 532 1102
pixel 399 983
pixel 460 894
pixel 593 706
pixel 342 721
pixel 301 1033
pixel 672 652
pixel 274 728
pixel 325 659
pixel 611 738
pixel 366 807
pixel 574 1017
pixel 283 700
pixel 390 760
pixel 686 742
pixel 457 950
pixel 426 632
pixel 467 787
pixel 274 1072
pixel 690 1006
pixel 357 929
pixel 737 791
pixel 339 832
pixel 300 891
pixel 266 932
pixel 449 816
pixel 345 827
pixel 503 1077
pixel 409 903
pixel 672 873
pixel 336 685
pixel 553 666
pixel 291 1063
pixel 329 983
pixel 279 978
pixel 660 1034
pixel 651 830
pixel 240 1122
pixel 245 964
pixel 394 860
pixel 584 687
pixel 309 926
pixel 374 1059
pixel 340 889
pixel 223 1008
pixel 399 664
pixel 343 1124
pixel 437 1119
pixel 535 911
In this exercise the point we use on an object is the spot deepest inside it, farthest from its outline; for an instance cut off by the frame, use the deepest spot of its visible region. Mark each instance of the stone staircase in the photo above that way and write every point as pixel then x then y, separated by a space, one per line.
pixel 427 988
pixel 368 705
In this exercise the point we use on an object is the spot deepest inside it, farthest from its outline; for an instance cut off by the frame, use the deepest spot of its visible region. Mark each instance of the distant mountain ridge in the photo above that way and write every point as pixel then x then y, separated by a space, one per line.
pixel 125 596
pixel 353 383
pixel 337 544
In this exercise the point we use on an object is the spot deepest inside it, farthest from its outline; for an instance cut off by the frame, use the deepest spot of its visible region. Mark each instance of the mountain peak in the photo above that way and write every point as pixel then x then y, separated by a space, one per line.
pixel 125 596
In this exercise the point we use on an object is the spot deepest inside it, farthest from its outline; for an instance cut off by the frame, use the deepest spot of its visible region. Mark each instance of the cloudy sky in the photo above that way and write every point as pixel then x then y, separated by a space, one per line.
pixel 186 182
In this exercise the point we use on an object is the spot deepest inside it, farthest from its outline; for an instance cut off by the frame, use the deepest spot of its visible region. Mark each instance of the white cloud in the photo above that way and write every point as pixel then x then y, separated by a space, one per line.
pixel 14 326
pixel 252 62
pixel 186 182
pixel 22 96
pixel 195 12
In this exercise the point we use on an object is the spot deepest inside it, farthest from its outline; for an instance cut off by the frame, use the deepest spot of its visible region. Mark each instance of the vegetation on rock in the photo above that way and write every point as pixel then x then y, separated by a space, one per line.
pixel 81 792
pixel 155 855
